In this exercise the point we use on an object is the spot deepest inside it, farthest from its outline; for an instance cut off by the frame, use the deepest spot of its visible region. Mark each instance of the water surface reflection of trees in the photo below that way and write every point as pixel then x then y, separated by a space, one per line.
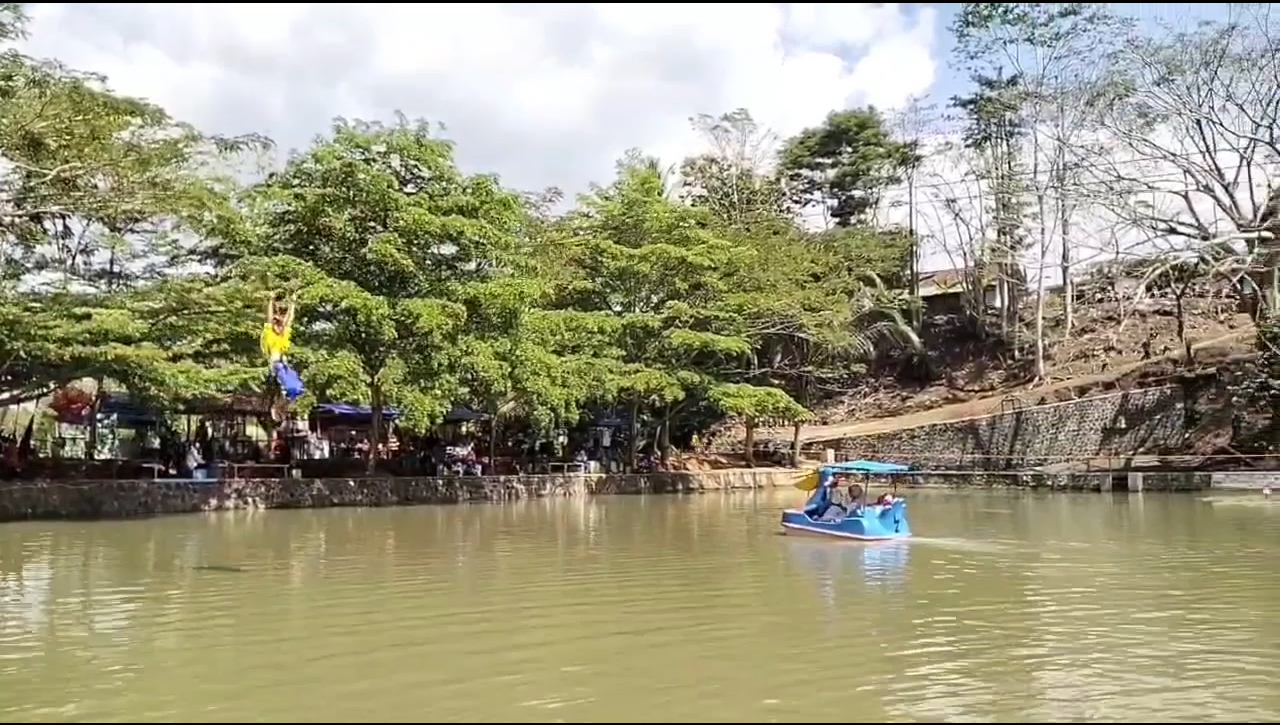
pixel 1009 606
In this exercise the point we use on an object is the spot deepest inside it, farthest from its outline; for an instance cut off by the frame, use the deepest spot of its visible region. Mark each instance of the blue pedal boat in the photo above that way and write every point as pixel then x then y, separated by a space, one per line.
pixel 858 520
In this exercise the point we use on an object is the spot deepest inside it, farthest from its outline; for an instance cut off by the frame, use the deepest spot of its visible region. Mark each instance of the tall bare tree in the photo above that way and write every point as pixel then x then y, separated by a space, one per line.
pixel 1040 54
pixel 1189 119
pixel 734 178
pixel 914 123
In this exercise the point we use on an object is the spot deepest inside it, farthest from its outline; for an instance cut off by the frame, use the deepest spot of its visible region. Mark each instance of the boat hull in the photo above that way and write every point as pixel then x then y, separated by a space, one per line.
pixel 874 523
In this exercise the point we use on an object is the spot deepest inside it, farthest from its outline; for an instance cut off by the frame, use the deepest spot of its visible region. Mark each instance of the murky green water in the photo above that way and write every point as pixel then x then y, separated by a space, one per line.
pixel 1007 609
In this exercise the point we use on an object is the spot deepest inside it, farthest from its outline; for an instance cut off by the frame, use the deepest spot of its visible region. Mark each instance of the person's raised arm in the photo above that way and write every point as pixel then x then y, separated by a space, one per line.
pixel 271 307
pixel 288 315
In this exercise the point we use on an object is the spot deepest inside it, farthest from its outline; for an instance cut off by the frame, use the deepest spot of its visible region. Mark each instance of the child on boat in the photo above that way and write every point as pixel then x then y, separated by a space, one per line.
pixel 277 336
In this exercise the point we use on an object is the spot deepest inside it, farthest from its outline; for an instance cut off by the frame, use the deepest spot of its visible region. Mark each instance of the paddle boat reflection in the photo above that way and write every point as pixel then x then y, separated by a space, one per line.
pixel 883 564
pixel 838 507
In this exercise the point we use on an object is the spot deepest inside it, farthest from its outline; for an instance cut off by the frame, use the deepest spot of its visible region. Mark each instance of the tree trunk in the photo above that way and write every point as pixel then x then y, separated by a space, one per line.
pixel 1044 253
pixel 913 281
pixel 1068 285
pixel 795 444
pixel 633 440
pixel 1181 318
pixel 91 442
pixel 493 439
pixel 375 429
pixel 664 437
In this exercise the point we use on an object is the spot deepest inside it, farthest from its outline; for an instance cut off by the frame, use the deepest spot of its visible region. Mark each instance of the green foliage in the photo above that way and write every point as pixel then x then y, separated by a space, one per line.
pixel 987 31
pixel 401 263
pixel 753 402
pixel 659 279
pixel 128 254
pixel 993 112
pixel 730 180
pixel 844 164
pixel 102 198
pixel 12 22
pixel 863 253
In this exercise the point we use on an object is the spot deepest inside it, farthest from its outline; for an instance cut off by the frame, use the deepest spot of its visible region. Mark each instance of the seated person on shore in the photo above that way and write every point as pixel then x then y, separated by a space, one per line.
pixel 192 461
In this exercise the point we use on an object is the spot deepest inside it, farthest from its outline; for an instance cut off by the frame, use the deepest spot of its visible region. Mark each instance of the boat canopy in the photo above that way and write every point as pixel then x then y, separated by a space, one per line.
pixel 821 477
pixel 861 466
pixel 819 481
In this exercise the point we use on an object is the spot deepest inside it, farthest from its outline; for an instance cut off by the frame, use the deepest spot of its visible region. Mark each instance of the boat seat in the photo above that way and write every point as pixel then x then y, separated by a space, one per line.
pixel 843 512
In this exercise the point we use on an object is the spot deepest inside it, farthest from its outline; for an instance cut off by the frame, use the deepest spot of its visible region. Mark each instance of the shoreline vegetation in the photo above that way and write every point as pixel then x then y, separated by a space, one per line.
pixel 761 287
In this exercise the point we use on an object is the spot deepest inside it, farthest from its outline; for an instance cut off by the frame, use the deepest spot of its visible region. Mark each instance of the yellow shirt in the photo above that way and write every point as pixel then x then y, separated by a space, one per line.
pixel 275 345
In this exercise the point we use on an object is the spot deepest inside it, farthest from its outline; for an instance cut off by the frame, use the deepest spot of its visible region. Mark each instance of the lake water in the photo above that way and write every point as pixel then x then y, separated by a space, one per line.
pixel 1007 608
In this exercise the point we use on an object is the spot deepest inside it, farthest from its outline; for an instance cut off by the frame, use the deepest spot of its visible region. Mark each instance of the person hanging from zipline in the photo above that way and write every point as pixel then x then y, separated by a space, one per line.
pixel 277 336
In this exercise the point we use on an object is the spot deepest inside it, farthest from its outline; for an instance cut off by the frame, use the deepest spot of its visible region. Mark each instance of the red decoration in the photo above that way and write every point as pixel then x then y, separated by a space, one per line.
pixel 72 405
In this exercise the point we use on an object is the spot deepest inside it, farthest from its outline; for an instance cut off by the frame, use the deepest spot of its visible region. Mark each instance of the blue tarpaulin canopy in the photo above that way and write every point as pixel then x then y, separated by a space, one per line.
pixel 611 418
pixel 822 475
pixel 820 480
pixel 861 466
pixel 129 413
pixel 348 410
pixel 463 414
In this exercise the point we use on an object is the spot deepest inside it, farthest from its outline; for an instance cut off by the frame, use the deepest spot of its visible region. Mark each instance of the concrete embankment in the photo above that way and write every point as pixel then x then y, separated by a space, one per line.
pixel 1246 480
pixel 126 498
pixel 108 499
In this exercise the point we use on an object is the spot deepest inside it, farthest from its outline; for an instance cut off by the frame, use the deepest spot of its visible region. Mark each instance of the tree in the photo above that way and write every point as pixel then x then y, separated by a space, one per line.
pixel 12 22
pixel 1178 276
pixel 1049 50
pixel 912 123
pixel 533 363
pixel 733 179
pixel 811 313
pixel 1189 117
pixel 126 254
pixel 660 280
pixel 403 263
pixel 844 165
pixel 1191 107
pixel 102 199
pixel 993 133
pixel 753 404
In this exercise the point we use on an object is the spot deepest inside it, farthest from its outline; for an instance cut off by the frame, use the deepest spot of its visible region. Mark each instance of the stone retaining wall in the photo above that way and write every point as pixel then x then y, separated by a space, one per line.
pixel 1167 481
pixel 124 499
pixel 120 499
pixel 1118 424
pixel 1247 480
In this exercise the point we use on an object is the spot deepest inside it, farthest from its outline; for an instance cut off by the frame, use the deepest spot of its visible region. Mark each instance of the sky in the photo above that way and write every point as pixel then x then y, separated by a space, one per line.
pixel 541 93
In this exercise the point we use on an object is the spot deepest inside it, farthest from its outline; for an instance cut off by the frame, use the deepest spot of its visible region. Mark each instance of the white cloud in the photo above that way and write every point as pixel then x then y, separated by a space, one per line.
pixel 541 93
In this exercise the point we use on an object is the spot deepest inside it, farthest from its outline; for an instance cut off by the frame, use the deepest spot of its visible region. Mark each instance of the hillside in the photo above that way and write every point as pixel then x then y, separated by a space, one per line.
pixel 1109 345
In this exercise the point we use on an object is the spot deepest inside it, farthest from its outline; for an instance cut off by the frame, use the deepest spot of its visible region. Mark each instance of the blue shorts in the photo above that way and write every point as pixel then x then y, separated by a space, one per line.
pixel 287 378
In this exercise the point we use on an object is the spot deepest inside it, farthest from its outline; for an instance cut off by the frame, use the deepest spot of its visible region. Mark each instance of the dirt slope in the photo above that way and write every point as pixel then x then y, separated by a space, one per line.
pixel 1108 347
